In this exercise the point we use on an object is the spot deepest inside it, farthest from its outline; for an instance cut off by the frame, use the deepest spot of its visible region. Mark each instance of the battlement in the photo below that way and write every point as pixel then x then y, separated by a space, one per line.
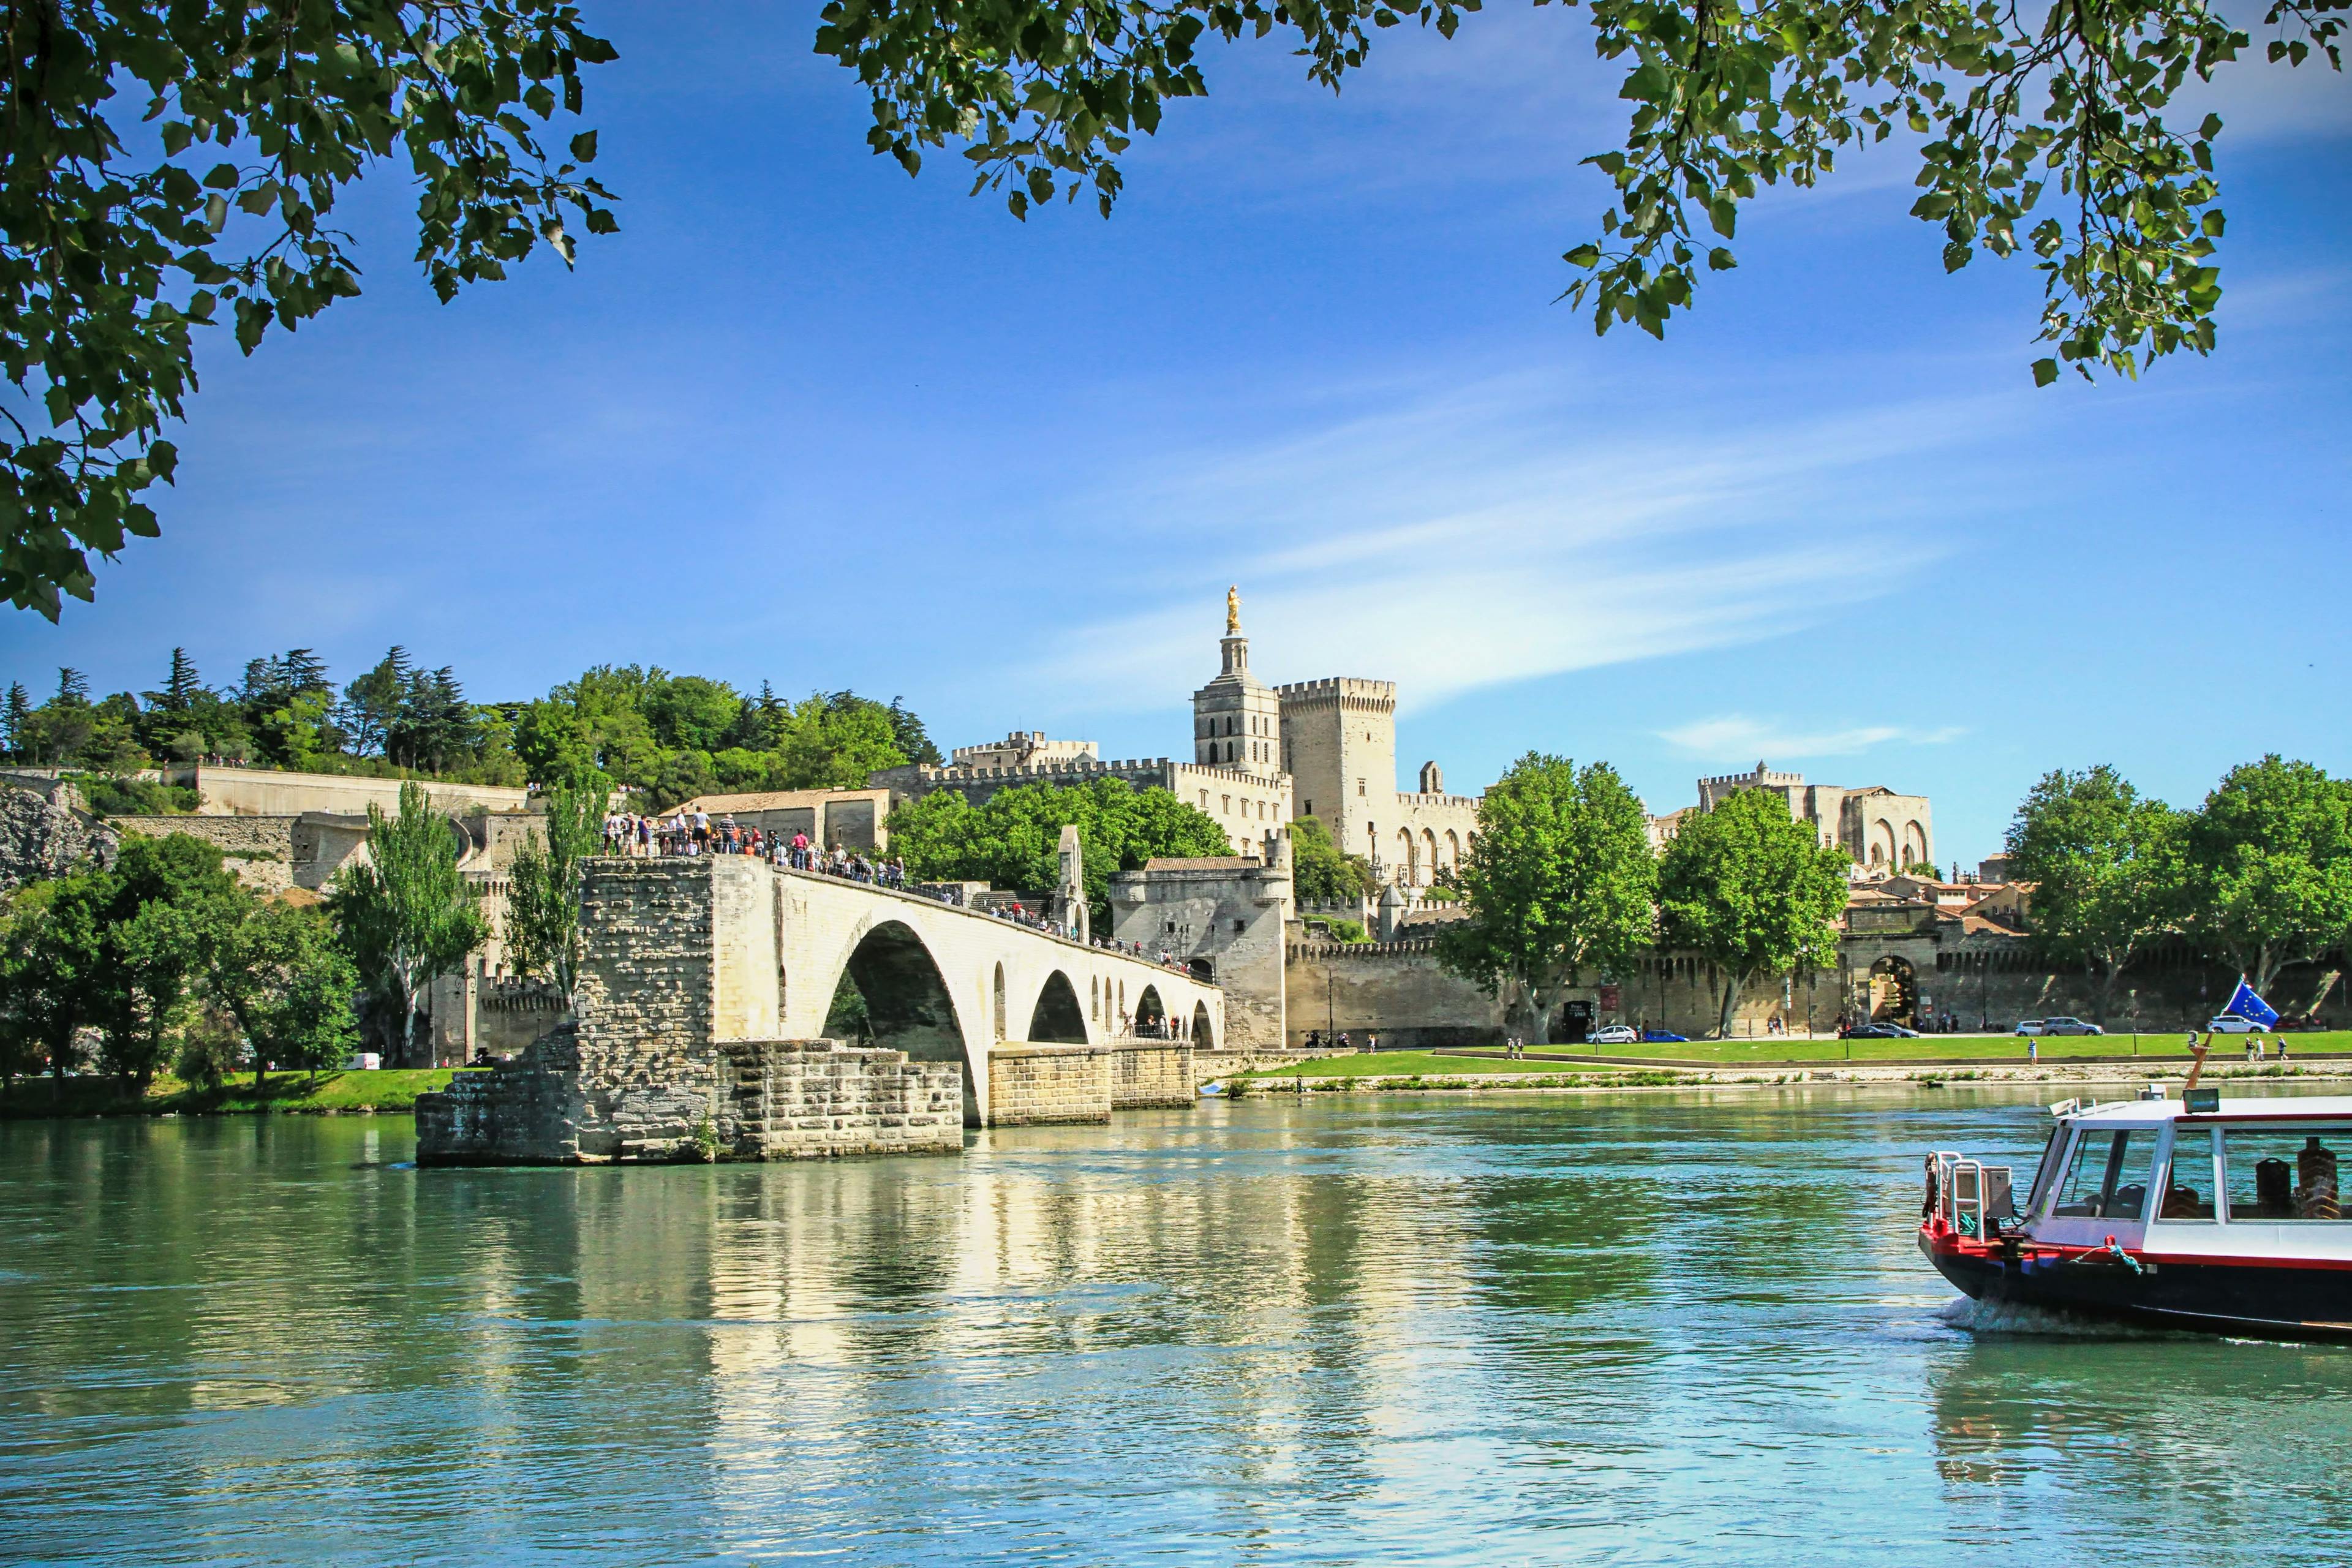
pixel 1234 774
pixel 1461 802
pixel 1057 772
pixel 1760 778
pixel 1338 688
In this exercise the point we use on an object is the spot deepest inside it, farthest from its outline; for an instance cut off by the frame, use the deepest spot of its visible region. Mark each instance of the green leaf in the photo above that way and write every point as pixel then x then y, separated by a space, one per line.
pixel 583 147
pixel 1583 256
pixel 2045 370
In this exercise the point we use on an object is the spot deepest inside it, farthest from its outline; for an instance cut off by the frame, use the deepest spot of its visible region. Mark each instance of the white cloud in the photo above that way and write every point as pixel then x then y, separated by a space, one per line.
pixel 1736 736
pixel 1482 531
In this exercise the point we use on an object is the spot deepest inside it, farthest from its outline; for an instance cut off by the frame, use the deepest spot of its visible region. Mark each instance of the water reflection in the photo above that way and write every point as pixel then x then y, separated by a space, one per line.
pixel 1670 1329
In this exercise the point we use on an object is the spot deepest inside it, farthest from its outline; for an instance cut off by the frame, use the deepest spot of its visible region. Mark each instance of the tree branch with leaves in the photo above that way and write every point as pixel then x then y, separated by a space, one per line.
pixel 2037 130
pixel 166 167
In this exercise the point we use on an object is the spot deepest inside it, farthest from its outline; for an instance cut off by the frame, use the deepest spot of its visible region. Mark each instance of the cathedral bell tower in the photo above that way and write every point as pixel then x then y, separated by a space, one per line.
pixel 1236 718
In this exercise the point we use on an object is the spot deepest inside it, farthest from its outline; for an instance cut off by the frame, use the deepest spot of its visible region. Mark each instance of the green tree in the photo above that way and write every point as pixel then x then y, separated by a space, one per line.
pixel 170 166
pixel 2106 865
pixel 16 722
pixel 907 731
pixel 1319 873
pixel 1753 890
pixel 2269 867
pixel 406 914
pixel 371 704
pixel 181 686
pixel 167 913
pixel 2006 107
pixel 1558 881
pixel 543 922
pixel 1014 839
pixel 51 959
pixel 288 985
pixel 838 741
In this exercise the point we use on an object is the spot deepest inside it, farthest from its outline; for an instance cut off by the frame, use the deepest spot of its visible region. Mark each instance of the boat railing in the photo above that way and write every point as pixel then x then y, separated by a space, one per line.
pixel 1972 1196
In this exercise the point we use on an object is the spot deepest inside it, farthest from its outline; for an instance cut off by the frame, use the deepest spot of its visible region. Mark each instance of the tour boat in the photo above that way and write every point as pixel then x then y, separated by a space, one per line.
pixel 2198 1213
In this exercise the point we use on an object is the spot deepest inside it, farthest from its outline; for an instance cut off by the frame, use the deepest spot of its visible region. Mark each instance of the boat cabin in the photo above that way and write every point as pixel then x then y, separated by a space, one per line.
pixel 2248 1178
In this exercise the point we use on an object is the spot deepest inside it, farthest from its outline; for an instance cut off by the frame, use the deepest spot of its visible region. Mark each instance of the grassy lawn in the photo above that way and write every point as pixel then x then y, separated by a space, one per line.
pixel 391 1090
pixel 1404 1064
pixel 2169 1046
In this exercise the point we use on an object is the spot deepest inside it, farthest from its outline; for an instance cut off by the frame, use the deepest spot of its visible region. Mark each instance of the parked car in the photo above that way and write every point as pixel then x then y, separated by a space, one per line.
pixel 1657 1036
pixel 2057 1027
pixel 2230 1024
pixel 1614 1035
pixel 1882 1032
pixel 2308 1023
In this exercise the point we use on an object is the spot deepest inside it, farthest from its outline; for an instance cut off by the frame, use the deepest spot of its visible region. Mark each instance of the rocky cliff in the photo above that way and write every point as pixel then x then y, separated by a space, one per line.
pixel 41 839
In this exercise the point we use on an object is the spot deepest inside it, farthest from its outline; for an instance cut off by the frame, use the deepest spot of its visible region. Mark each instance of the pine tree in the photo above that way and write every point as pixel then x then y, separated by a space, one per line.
pixel 181 686
pixel 303 670
pixel 72 685
pixel 13 718
pixel 371 704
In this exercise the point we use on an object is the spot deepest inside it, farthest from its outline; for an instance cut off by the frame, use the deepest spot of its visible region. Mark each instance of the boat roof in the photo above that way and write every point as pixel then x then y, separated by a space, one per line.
pixel 2296 1107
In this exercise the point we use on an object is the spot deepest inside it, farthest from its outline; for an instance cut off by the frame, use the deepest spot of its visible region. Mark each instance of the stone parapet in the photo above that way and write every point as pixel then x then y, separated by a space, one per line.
pixel 1031 1084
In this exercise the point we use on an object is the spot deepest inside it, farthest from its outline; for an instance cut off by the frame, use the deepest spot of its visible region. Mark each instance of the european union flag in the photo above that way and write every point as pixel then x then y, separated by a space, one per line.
pixel 2251 1007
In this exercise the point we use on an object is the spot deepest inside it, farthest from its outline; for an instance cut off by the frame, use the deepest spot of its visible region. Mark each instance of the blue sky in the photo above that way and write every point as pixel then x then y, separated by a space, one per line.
pixel 807 420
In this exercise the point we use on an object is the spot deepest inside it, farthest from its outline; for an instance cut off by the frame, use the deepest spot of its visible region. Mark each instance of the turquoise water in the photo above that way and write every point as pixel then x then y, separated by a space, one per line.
pixel 1410 1330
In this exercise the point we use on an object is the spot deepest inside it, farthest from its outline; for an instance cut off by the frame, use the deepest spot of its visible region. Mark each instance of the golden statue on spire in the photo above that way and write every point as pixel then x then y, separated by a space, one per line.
pixel 1233 610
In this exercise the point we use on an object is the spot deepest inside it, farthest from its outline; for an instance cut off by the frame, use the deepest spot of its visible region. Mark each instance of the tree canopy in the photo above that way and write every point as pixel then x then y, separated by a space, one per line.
pixel 1319 873
pixel 407 914
pixel 2104 862
pixel 1014 839
pixel 1559 881
pixel 542 918
pixel 2268 868
pixel 671 736
pixel 1753 890
pixel 2042 130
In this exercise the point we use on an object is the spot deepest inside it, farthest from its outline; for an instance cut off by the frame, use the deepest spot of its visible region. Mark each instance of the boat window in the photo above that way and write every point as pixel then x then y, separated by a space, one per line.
pixel 2046 1172
pixel 2188 1185
pixel 2284 1172
pixel 2106 1175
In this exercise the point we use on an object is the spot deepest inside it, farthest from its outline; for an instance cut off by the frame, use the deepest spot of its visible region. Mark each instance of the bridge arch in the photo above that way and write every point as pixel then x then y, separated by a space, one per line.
pixel 1150 1014
pixel 908 1007
pixel 1056 1019
pixel 1204 1037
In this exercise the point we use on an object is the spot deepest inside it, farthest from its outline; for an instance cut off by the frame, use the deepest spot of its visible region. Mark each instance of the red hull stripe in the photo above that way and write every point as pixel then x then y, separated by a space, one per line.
pixel 1959 1247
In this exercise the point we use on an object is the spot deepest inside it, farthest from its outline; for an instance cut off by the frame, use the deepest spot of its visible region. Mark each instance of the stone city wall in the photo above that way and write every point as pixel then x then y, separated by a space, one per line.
pixel 1032 1085
pixel 1151 1074
pixel 265 791
pixel 1396 988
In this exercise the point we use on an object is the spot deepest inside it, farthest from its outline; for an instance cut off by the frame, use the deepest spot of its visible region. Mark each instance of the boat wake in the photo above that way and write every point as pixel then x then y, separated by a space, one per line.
pixel 2014 1318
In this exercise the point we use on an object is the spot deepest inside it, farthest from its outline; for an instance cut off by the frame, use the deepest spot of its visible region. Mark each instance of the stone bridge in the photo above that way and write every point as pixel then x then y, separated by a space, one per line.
pixel 940 983
pixel 703 1002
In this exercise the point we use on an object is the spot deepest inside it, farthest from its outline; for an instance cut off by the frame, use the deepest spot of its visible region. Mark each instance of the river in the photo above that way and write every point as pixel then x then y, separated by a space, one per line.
pixel 1412 1328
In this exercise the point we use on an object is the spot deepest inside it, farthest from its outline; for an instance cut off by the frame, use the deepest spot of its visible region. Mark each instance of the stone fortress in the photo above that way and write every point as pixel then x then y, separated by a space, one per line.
pixel 1262 756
